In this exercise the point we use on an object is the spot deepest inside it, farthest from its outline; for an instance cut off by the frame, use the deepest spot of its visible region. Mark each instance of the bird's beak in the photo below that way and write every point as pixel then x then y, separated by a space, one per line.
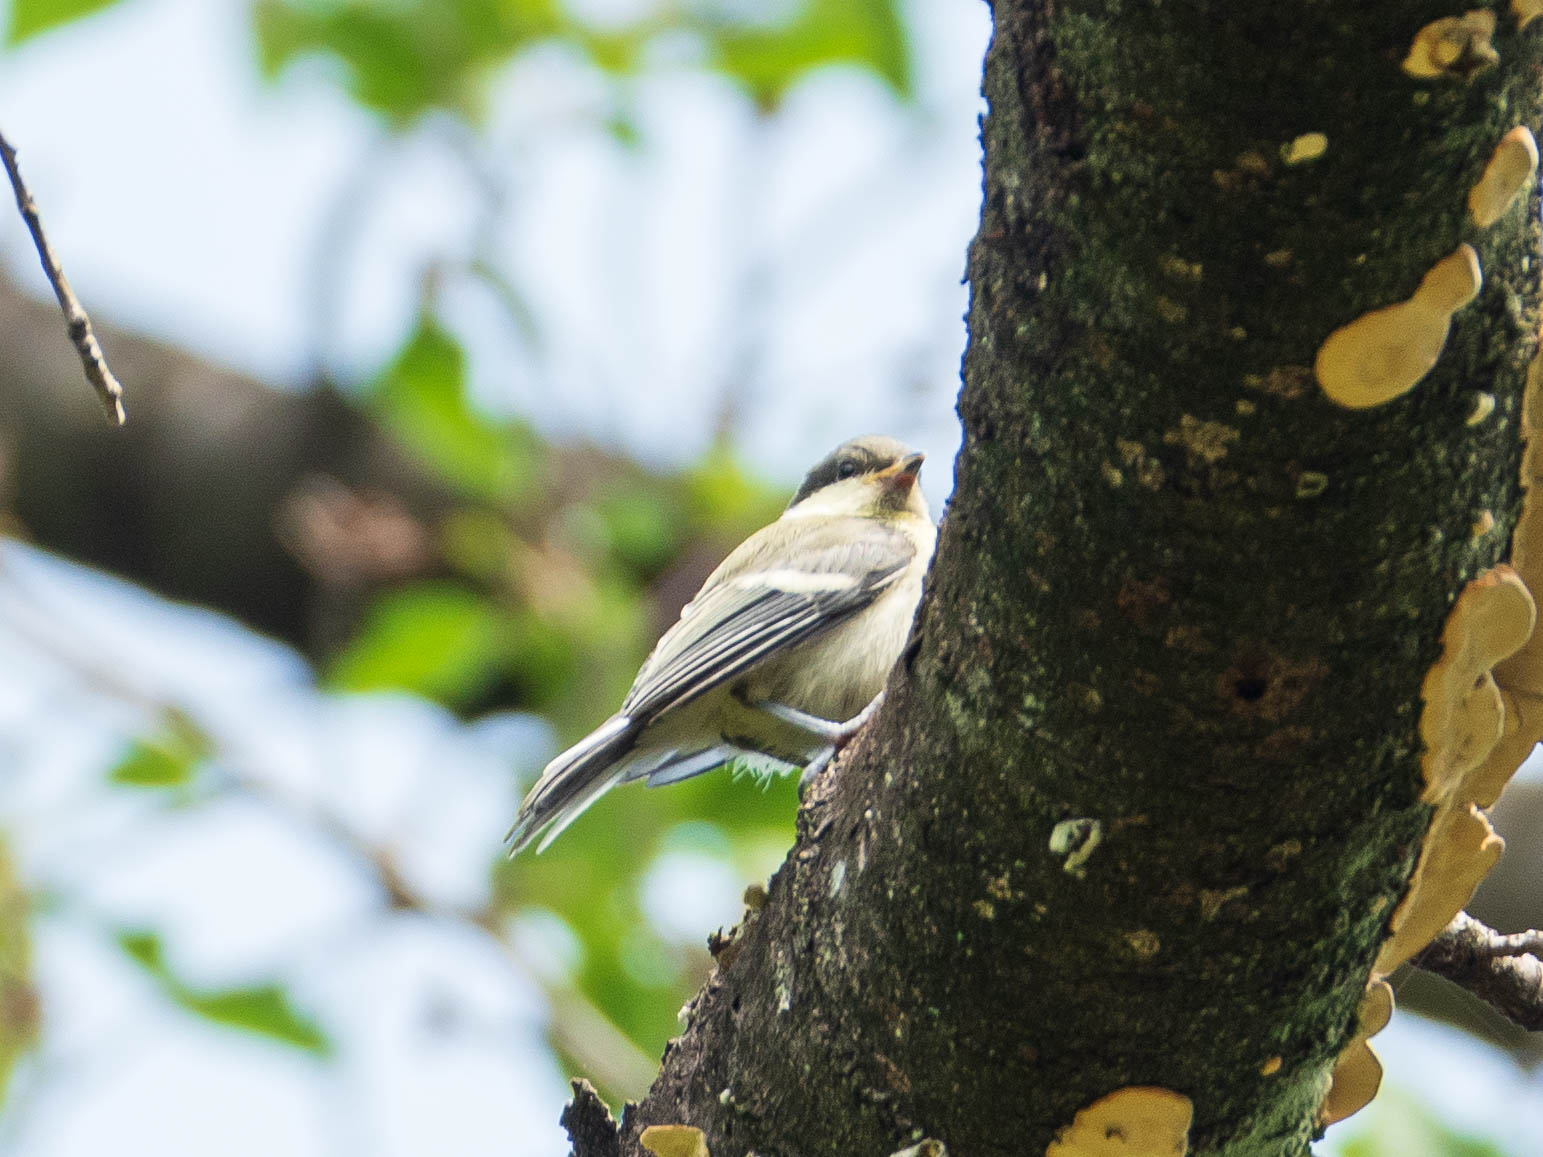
pixel 902 475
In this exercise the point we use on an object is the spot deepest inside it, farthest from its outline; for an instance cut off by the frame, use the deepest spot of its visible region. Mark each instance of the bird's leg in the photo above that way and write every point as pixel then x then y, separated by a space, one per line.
pixel 833 735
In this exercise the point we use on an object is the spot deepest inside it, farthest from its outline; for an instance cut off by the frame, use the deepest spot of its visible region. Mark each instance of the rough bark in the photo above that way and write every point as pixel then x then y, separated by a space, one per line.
pixel 1178 592
pixel 1507 978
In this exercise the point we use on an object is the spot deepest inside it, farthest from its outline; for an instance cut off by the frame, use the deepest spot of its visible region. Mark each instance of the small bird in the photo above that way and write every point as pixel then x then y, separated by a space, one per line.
pixel 782 655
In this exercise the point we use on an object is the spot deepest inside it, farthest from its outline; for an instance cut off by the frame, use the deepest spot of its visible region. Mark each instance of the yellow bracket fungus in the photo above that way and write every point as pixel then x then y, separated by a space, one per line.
pixel 1522 674
pixel 1522 730
pixel 1469 726
pixel 1382 354
pixel 1459 850
pixel 1138 1121
pixel 1358 1072
pixel 1519 677
pixel 1462 720
pixel 1510 169
pixel 674 1141
pixel 1307 147
pixel 1454 46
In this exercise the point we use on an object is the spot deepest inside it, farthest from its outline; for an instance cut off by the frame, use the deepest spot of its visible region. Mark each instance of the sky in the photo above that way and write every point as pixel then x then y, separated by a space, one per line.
pixel 188 199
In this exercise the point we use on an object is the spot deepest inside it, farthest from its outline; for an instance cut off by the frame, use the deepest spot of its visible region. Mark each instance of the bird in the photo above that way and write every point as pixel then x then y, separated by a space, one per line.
pixel 783 654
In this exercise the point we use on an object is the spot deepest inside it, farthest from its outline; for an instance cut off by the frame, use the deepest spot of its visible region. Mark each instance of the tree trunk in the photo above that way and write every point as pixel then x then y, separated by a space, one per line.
pixel 1146 789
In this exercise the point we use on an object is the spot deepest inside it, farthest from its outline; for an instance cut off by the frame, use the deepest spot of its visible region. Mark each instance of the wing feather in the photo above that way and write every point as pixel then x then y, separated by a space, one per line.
pixel 757 605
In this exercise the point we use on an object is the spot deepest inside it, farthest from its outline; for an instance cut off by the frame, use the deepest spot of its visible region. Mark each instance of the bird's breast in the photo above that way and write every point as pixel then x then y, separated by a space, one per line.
pixel 836 674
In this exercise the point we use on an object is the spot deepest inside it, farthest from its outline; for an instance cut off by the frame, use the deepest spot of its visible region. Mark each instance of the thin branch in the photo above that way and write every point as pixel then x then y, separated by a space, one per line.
pixel 1505 972
pixel 1517 944
pixel 92 359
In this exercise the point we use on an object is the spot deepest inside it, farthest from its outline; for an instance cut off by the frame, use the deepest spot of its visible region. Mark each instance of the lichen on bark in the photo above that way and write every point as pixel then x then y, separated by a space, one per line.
pixel 1178 592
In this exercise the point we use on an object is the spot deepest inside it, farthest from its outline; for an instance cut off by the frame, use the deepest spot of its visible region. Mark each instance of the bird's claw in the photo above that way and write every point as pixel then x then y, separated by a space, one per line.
pixel 839 736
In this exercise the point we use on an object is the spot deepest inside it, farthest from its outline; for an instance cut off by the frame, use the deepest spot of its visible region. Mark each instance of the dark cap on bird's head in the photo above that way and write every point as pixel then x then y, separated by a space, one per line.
pixel 874 457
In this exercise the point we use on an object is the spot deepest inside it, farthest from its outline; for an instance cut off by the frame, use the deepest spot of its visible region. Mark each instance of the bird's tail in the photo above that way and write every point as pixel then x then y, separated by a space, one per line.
pixel 573 781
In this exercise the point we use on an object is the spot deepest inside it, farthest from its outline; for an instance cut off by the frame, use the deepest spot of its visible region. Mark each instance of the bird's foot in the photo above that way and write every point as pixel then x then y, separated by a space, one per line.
pixel 836 735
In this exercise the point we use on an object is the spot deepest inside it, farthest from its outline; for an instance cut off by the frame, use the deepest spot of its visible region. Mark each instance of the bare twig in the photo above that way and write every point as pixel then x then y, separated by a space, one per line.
pixel 1503 971
pixel 1517 944
pixel 98 374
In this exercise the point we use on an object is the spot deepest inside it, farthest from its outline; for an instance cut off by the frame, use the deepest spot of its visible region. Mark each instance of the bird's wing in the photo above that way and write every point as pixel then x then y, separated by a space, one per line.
pixel 772 593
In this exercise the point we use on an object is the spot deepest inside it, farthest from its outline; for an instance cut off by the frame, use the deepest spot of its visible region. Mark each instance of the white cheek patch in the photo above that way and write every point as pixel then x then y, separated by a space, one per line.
pixel 796 582
pixel 848 497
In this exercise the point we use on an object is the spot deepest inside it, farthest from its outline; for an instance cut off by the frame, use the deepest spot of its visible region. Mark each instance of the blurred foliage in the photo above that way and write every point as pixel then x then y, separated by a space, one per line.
pixel 1398 1125
pixel 421 398
pixel 406 58
pixel 262 1009
pixel 167 759
pixel 552 571
pixel 767 60
pixel 30 17
pixel 593 877
pixel 18 999
pixel 431 638
pixel 558 571
pixel 550 562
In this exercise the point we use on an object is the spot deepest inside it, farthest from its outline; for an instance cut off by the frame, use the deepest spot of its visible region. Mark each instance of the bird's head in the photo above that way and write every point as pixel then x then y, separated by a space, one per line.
pixel 868 477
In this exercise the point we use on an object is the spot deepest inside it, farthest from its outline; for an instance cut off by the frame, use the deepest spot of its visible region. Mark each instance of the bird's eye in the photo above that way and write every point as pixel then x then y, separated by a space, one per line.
pixel 847 468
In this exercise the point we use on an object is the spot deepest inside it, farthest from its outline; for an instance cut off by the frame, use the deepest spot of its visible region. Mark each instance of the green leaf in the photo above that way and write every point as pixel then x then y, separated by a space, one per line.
pixel 866 33
pixel 435 639
pixel 403 59
pixel 724 499
pixel 393 65
pixel 167 760
pixel 30 17
pixel 264 1009
pixel 408 57
pixel 422 400
pixel 146 764
pixel 145 949
pixel 643 529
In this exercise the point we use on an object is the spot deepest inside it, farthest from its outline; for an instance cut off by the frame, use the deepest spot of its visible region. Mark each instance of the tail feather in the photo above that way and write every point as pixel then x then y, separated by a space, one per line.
pixel 573 781
pixel 691 763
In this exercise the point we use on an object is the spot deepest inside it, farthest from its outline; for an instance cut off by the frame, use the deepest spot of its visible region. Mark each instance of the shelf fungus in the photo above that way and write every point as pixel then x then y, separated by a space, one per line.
pixel 1519 677
pixel 1463 717
pixel 1459 850
pixel 1358 1073
pixel 1469 726
pixel 1138 1121
pixel 1510 169
pixel 1455 46
pixel 1307 147
pixel 1384 353
pixel 674 1141
pixel 1522 674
